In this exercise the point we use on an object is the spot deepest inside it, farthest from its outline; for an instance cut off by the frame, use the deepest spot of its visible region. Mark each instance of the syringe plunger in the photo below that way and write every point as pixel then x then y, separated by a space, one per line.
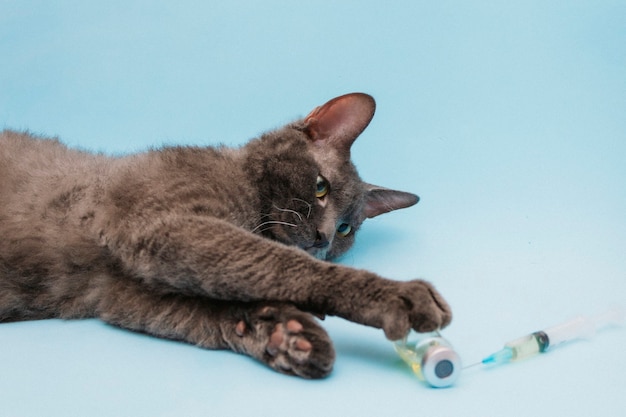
pixel 583 327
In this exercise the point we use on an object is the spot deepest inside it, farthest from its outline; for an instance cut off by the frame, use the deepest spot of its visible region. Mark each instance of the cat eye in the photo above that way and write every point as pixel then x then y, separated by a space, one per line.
pixel 344 229
pixel 322 187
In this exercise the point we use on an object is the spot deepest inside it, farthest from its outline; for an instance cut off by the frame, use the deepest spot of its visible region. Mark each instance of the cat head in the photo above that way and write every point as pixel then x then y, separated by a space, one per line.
pixel 311 194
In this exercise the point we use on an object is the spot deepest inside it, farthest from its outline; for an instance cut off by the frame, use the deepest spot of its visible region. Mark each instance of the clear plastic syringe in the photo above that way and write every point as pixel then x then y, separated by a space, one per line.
pixel 578 328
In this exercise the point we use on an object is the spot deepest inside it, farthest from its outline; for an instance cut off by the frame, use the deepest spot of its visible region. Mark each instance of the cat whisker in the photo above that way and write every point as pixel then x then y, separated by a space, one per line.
pixel 307 203
pixel 273 222
pixel 290 211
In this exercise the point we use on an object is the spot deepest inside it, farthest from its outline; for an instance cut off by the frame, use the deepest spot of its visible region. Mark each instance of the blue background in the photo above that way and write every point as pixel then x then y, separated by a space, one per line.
pixel 507 118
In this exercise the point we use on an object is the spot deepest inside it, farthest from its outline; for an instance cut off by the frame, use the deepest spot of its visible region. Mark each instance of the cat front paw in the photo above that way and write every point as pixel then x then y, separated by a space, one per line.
pixel 288 340
pixel 414 305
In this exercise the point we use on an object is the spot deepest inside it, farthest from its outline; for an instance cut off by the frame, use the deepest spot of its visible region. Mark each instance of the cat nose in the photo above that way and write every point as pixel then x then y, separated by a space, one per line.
pixel 321 241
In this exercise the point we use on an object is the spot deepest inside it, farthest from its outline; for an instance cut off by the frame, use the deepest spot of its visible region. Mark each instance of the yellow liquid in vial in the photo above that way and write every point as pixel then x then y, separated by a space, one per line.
pixel 412 354
pixel 431 359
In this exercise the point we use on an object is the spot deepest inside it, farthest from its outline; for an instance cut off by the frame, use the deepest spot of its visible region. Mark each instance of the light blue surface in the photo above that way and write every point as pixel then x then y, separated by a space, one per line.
pixel 507 118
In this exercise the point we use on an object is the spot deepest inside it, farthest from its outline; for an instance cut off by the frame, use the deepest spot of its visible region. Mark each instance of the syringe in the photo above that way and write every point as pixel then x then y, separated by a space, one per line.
pixel 578 328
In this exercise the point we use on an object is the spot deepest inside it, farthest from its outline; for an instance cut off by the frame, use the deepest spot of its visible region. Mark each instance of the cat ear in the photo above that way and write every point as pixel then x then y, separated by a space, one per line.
pixel 340 121
pixel 380 200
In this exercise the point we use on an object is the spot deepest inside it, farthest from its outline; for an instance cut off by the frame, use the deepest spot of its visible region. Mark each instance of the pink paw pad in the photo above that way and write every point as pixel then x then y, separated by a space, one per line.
pixel 285 337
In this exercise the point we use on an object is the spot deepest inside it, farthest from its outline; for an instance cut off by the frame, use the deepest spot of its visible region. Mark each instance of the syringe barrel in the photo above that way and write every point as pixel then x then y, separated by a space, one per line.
pixel 577 328
pixel 527 345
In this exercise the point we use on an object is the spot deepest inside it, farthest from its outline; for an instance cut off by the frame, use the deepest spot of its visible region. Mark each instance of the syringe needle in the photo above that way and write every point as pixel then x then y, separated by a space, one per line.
pixel 472 365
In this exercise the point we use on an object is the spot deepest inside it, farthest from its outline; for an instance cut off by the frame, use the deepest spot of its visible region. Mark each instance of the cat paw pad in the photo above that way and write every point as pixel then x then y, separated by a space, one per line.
pixel 288 340
pixel 285 339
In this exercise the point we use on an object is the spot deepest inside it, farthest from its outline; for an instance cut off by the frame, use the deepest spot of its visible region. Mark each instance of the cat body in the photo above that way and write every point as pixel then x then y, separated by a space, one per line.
pixel 223 248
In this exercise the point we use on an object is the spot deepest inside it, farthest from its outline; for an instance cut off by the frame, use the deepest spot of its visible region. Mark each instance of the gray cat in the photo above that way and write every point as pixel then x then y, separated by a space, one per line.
pixel 223 248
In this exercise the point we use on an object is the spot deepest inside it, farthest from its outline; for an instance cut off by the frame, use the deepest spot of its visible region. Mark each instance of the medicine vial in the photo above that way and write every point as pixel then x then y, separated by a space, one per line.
pixel 431 357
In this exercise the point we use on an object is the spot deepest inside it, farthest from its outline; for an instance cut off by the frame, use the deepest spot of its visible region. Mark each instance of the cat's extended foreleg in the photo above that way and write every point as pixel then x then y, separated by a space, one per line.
pixel 210 257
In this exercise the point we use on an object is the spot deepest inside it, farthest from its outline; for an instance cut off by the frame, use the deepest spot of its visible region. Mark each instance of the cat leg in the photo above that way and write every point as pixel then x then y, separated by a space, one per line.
pixel 285 338
pixel 212 258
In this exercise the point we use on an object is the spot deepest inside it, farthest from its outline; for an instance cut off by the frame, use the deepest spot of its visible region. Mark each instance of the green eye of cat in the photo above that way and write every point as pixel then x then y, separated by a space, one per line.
pixel 344 229
pixel 322 187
